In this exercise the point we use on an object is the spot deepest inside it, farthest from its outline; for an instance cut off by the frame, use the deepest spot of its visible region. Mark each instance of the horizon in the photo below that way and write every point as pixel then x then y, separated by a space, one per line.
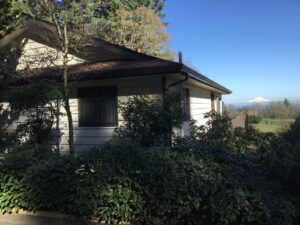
pixel 244 101
pixel 252 48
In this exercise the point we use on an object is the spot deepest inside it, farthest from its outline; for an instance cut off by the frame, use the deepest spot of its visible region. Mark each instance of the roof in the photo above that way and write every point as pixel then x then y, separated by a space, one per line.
pixel 106 60
pixel 118 69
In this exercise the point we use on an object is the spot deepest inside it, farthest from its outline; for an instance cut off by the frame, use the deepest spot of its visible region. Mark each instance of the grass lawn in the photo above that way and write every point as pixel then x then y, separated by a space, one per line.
pixel 273 125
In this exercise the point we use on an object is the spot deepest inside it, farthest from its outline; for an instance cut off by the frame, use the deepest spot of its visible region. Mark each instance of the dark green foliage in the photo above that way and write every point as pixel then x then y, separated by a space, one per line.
pixel 218 131
pixel 33 95
pixel 38 125
pixel 190 183
pixel 37 103
pixel 293 134
pixel 107 7
pixel 6 117
pixel 254 119
pixel 150 121
pixel 8 63
pixel 9 10
pixel 220 176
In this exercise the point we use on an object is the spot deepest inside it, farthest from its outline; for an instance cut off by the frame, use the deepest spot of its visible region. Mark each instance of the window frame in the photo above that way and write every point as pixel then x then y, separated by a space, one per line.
pixel 83 124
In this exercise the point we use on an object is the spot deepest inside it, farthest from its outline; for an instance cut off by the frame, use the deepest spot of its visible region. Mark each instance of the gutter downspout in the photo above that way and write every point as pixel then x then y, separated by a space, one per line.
pixel 181 81
pixel 182 72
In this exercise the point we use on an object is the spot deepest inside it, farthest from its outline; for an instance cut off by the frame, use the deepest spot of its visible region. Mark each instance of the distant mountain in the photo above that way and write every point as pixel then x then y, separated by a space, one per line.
pixel 259 100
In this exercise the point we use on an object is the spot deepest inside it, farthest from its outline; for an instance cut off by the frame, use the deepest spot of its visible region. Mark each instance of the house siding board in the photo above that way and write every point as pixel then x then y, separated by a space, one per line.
pixel 200 104
pixel 37 55
pixel 86 137
pixel 200 100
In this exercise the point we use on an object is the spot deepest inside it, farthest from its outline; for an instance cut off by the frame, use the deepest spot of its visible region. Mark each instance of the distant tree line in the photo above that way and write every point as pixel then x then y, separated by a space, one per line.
pixel 273 110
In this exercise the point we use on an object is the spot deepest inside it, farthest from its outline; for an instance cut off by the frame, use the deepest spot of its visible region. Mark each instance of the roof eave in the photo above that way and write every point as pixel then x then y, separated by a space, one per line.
pixel 203 79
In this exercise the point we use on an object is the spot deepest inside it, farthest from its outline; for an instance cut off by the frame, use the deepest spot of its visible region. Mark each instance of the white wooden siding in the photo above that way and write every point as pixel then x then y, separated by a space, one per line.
pixel 200 103
pixel 37 55
pixel 86 137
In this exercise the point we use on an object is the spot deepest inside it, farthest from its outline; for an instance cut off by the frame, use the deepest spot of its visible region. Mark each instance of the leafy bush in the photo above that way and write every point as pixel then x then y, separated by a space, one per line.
pixel 193 182
pixel 171 184
pixel 150 121
pixel 254 119
pixel 6 117
pixel 218 131
pixel 37 103
pixel 293 134
pixel 217 176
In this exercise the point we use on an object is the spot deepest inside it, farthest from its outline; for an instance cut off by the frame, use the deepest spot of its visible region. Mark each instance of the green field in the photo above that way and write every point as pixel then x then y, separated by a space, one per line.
pixel 273 125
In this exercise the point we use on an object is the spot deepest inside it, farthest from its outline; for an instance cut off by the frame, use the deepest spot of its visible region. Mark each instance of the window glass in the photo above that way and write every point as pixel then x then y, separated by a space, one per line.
pixel 97 106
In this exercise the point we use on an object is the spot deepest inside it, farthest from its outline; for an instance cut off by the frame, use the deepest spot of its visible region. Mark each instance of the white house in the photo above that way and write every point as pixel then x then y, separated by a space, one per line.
pixel 106 75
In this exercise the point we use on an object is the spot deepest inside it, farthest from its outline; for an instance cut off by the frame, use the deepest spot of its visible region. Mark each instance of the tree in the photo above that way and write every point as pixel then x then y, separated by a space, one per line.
pixel 9 15
pixel 106 7
pixel 141 30
pixel 286 102
pixel 7 116
pixel 71 20
pixel 114 19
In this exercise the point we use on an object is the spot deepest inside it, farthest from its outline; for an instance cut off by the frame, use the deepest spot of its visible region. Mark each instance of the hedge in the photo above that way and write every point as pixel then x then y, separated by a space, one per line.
pixel 192 182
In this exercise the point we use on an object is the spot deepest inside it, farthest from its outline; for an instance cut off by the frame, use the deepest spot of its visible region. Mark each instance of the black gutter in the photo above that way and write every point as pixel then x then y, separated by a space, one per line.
pixel 181 81
pixel 203 79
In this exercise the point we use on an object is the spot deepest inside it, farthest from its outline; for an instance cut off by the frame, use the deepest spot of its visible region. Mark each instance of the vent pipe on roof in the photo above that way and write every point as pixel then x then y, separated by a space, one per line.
pixel 180 57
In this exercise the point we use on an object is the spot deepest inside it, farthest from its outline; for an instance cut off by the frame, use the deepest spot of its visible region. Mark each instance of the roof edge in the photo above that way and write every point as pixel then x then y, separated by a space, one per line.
pixel 205 80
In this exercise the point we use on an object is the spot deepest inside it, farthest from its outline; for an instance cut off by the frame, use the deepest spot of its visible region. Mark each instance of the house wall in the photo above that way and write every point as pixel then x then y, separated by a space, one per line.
pixel 37 55
pixel 218 104
pixel 200 104
pixel 85 137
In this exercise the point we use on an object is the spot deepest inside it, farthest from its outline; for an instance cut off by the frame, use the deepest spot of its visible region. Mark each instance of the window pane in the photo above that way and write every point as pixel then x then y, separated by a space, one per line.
pixel 107 114
pixel 90 92
pixel 98 106
pixel 88 112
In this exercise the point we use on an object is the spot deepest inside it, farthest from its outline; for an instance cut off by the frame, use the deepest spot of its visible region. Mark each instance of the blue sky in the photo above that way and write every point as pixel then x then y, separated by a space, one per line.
pixel 249 46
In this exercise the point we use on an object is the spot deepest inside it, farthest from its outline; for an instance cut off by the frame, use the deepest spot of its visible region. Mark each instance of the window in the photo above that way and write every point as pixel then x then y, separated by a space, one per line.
pixel 186 104
pixel 97 106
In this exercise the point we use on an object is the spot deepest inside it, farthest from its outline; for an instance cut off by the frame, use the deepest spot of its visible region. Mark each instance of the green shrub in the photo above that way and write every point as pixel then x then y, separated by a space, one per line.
pixel 254 119
pixel 293 134
pixel 38 102
pixel 149 121
pixel 218 131
pixel 241 178
pixel 171 184
pixel 6 117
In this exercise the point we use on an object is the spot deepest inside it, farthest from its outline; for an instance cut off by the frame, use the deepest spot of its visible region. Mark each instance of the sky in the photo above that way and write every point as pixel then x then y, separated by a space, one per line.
pixel 251 47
